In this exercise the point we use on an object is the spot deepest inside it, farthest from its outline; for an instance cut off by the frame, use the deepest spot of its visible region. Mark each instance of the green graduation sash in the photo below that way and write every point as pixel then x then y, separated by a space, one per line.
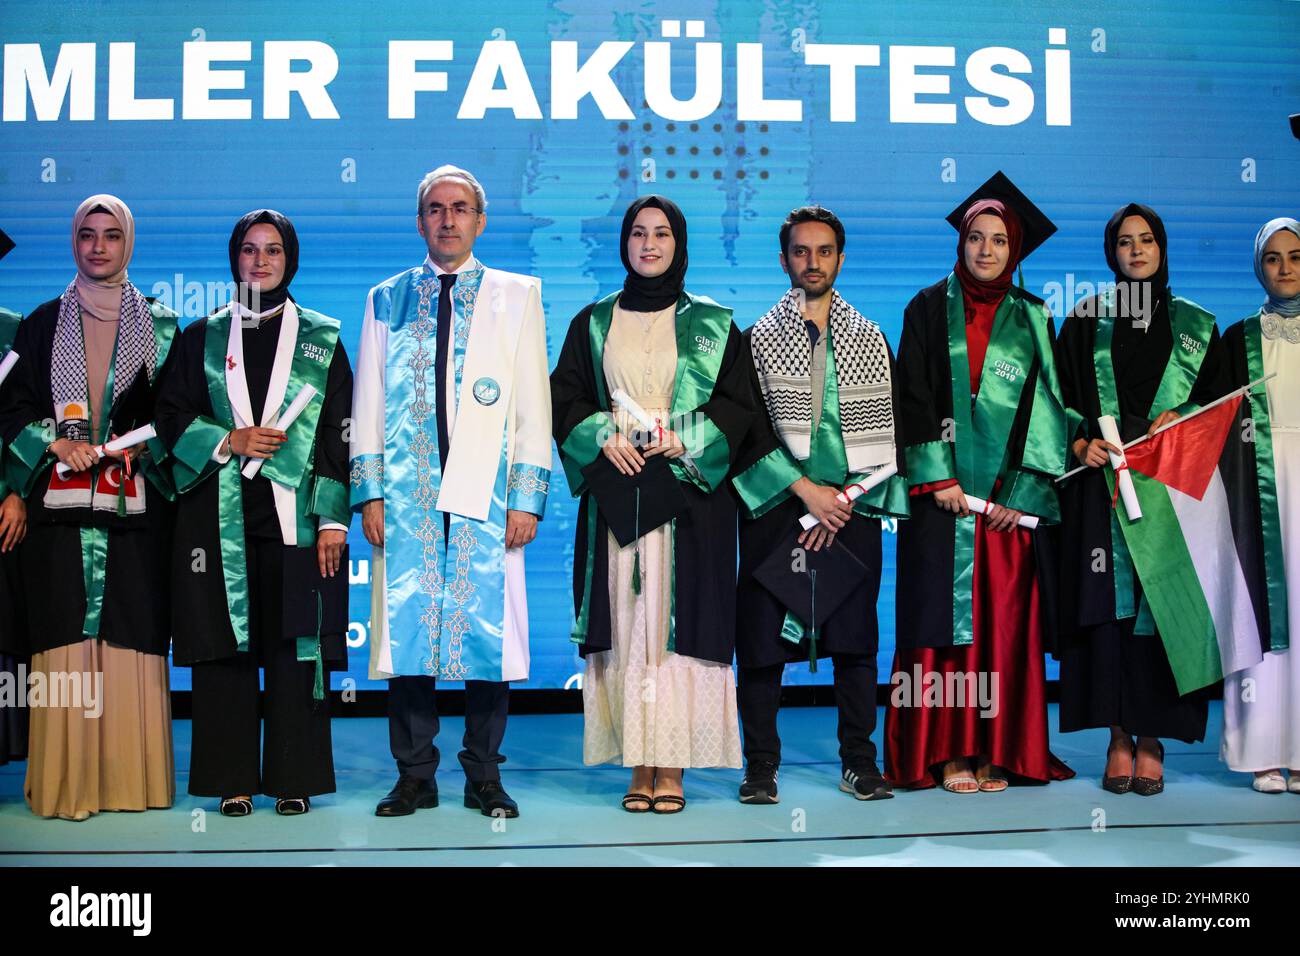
pixel 94 538
pixel 1266 479
pixel 1192 328
pixel 982 433
pixel 8 329
pixel 291 466
pixel 702 328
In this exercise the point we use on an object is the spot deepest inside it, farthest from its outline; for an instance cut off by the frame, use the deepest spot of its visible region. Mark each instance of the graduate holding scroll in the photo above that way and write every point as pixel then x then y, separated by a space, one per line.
pixel 655 551
pixel 98 539
pixel 1143 356
pixel 822 378
pixel 982 413
pixel 260 570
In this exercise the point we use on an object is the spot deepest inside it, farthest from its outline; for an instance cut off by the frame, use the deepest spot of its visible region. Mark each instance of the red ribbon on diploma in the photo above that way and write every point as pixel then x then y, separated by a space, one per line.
pixel 1114 498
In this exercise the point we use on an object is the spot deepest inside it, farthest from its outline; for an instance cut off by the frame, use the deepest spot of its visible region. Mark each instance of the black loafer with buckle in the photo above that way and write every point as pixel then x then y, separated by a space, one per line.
pixel 236 807
pixel 292 806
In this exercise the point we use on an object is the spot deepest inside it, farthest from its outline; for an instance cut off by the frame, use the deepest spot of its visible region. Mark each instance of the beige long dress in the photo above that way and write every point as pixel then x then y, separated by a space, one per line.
pixel 112 749
pixel 644 705
pixel 1261 704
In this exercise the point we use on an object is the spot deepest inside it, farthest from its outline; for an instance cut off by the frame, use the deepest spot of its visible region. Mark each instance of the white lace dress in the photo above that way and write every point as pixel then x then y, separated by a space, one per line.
pixel 1261 704
pixel 643 704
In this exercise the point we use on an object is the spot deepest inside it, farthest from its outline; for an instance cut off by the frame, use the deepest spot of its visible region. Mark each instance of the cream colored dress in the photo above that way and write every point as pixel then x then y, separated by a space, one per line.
pixel 644 705
pixel 1261 704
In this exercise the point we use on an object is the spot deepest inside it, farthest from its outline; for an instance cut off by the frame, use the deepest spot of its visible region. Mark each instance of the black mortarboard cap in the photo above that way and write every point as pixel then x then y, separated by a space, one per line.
pixel 1035 227
pixel 812 598
pixel 634 505
pixel 312 603
pixel 134 407
pixel 6 244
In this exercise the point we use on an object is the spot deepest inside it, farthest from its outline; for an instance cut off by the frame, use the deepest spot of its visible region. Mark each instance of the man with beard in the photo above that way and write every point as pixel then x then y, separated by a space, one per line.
pixel 823 385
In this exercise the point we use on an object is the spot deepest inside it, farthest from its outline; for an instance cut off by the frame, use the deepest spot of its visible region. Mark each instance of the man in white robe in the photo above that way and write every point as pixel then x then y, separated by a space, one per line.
pixel 451 464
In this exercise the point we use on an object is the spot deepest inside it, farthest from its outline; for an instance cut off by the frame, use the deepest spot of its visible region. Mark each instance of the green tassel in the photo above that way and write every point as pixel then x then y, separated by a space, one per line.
pixel 1020 269
pixel 812 634
pixel 636 561
pixel 309 650
pixel 121 495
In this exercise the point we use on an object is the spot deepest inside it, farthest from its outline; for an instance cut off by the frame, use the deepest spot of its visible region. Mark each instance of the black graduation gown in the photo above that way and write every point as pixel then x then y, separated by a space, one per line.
pixel 853 627
pixel 202 628
pixel 13 623
pixel 136 610
pixel 1109 675
pixel 925 562
pixel 705 542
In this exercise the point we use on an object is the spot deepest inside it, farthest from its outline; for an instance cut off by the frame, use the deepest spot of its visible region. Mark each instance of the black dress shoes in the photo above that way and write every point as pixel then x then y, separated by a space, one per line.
pixel 409 795
pixel 1122 783
pixel 490 799
pixel 1150 786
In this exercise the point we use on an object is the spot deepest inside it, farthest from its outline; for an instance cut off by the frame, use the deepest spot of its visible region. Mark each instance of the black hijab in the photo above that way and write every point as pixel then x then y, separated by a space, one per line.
pixel 1140 351
pixel 268 298
pixel 1152 289
pixel 641 294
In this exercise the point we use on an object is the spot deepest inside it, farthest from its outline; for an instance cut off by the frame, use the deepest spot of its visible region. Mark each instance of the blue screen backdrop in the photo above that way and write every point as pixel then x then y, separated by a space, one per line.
pixel 1182 106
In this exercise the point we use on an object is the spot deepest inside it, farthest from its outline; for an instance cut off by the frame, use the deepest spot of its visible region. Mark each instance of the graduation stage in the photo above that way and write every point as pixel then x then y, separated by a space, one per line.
pixel 571 815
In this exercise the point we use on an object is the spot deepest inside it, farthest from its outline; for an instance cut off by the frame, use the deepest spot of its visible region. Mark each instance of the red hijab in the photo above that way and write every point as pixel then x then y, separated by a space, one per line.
pixel 976 290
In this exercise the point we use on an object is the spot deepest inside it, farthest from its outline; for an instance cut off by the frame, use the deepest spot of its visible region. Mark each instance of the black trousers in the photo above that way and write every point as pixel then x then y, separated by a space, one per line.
pixel 759 698
pixel 413 723
pixel 297 758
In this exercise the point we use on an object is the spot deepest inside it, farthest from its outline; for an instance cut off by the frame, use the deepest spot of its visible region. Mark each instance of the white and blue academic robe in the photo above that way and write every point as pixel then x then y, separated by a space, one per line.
pixel 447 597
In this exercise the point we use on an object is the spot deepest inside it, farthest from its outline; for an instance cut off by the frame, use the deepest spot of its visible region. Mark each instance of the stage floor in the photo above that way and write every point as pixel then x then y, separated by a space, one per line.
pixel 1207 816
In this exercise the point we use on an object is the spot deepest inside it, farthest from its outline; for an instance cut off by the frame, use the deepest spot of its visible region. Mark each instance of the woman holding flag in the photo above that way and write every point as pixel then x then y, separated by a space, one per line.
pixel 98 528
pixel 260 572
pixel 1142 356
pixel 1261 711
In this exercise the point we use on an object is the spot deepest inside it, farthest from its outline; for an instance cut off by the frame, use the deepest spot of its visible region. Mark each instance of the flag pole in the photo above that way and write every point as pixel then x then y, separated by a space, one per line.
pixel 1182 418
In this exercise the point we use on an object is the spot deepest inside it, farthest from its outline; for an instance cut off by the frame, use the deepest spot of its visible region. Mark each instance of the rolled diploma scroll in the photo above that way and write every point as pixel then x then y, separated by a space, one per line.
pixel 1110 432
pixel 642 418
pixel 639 414
pixel 980 506
pixel 856 491
pixel 307 393
pixel 133 437
pixel 7 365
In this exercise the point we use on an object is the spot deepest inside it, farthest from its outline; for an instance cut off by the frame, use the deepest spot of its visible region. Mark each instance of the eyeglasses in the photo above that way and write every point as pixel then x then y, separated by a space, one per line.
pixel 459 210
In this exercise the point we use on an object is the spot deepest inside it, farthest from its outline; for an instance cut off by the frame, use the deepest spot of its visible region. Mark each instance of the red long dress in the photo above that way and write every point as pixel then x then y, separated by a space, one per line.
pixel 1008 644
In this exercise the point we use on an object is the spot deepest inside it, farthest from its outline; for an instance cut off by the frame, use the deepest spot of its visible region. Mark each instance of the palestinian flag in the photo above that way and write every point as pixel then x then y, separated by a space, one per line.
pixel 1196 548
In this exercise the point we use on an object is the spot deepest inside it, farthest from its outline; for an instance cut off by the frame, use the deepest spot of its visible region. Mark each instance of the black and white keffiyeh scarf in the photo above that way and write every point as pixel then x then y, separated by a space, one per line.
pixel 783 360
pixel 136 349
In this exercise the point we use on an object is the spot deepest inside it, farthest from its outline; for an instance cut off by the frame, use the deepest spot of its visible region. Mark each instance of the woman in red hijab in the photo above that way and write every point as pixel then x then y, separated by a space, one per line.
pixel 982 412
